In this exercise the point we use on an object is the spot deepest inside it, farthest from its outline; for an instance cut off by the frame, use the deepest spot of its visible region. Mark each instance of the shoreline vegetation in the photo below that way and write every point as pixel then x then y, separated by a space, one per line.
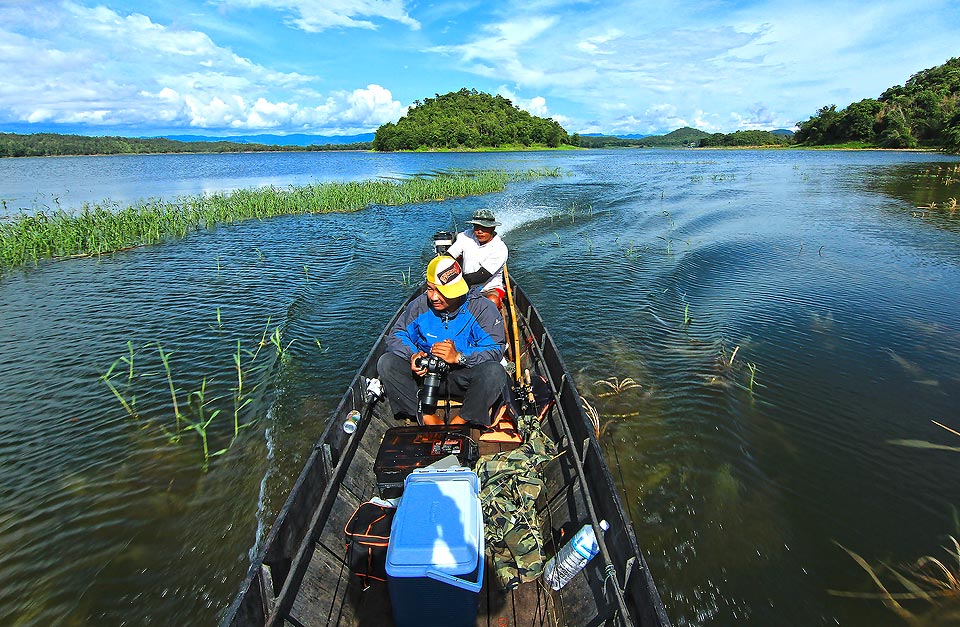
pixel 57 145
pixel 99 229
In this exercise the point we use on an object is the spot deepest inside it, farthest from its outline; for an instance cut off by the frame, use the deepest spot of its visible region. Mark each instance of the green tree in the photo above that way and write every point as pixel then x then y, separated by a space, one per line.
pixel 896 133
pixel 859 120
pixel 819 128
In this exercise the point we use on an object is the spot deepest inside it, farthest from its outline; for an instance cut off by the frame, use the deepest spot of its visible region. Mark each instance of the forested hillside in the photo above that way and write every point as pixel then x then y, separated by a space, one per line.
pixel 746 138
pixel 468 119
pixel 924 112
pixel 56 145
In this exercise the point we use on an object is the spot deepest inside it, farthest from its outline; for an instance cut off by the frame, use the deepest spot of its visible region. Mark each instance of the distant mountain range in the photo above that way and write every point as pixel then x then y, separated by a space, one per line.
pixel 278 140
pixel 779 131
pixel 630 136
pixel 319 140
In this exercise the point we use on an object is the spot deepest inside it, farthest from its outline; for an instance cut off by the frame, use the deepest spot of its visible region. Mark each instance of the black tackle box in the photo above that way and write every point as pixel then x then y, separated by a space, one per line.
pixel 404 449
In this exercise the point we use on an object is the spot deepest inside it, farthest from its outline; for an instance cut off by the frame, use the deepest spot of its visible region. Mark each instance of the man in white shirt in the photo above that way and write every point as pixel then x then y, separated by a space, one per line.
pixel 482 255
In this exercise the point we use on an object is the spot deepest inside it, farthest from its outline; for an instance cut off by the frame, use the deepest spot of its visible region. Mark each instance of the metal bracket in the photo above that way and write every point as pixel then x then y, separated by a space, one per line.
pixel 267 593
pixel 627 571
pixel 327 454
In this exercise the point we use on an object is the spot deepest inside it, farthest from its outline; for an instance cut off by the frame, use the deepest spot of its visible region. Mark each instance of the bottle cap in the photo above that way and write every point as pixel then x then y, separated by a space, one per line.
pixel 604 525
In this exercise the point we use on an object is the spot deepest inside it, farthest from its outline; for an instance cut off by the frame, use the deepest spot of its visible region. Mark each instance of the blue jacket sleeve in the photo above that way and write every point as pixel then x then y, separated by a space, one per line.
pixel 405 338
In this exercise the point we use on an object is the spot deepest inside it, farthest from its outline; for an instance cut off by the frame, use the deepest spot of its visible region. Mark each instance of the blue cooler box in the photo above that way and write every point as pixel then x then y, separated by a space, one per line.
pixel 435 555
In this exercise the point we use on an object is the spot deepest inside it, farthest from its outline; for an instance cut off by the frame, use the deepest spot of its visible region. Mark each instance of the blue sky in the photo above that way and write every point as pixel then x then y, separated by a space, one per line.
pixel 341 67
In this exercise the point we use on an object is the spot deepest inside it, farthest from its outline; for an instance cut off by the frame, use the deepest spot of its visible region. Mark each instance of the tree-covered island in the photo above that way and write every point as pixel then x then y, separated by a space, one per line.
pixel 468 120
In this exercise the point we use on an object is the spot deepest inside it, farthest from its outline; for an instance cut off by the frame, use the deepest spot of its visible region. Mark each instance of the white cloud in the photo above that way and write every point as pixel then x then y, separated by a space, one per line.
pixel 624 67
pixel 497 52
pixel 315 16
pixel 593 45
pixel 111 69
pixel 534 106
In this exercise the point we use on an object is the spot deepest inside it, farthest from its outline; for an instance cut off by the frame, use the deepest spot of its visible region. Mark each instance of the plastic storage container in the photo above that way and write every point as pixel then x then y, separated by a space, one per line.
pixel 404 449
pixel 435 557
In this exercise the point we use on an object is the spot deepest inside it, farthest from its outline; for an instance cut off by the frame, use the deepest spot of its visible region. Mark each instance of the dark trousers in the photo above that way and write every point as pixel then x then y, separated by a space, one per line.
pixel 480 387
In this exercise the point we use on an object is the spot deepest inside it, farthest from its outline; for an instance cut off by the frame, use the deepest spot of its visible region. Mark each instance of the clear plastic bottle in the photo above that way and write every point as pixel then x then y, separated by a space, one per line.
pixel 574 555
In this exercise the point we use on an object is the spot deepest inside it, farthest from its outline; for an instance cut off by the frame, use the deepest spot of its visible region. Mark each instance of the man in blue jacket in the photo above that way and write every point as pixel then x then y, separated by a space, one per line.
pixel 461 328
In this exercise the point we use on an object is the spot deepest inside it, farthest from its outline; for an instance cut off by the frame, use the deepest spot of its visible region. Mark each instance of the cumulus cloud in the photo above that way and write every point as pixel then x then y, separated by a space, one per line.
pixel 315 16
pixel 717 66
pixel 104 68
pixel 536 105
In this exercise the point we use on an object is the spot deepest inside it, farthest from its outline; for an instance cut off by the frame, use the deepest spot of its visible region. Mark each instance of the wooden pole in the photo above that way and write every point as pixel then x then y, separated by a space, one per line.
pixel 513 318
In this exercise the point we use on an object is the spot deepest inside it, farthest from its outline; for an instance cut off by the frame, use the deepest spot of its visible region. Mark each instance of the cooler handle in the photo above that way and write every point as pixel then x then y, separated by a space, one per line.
pixel 466 584
pixel 453 580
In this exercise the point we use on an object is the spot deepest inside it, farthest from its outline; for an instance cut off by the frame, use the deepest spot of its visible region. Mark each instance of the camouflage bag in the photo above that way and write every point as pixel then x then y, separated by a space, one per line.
pixel 511 484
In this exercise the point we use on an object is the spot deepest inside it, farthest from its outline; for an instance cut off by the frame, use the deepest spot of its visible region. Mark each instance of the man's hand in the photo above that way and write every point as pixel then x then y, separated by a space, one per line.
pixel 446 350
pixel 417 370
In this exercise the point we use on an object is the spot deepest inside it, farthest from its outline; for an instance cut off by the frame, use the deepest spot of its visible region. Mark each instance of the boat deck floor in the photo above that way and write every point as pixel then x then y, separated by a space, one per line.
pixel 347 604
pixel 330 596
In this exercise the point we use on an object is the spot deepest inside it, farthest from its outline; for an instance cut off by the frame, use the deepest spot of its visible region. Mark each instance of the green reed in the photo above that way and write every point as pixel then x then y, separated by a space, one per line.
pixel 406 278
pixel 165 358
pixel 199 411
pixel 930 580
pixel 104 228
pixel 752 367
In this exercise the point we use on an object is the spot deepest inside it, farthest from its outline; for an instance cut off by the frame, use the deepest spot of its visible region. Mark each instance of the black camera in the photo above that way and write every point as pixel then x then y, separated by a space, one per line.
pixel 436 369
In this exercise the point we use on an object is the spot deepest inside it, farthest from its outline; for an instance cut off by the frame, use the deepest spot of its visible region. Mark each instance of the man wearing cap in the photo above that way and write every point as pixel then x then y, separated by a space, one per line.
pixel 483 255
pixel 458 326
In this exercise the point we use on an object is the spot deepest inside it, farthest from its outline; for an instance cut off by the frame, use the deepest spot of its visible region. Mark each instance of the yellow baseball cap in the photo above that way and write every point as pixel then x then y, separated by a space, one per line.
pixel 445 273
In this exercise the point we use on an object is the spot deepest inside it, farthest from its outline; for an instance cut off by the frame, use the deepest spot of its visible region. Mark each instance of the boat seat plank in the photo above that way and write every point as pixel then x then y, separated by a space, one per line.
pixel 532 606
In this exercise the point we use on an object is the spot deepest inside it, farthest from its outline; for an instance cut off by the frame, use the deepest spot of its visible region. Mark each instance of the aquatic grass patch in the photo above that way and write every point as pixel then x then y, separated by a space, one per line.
pixel 933 580
pixel 107 227
pixel 930 579
pixel 196 409
pixel 407 279
pixel 571 212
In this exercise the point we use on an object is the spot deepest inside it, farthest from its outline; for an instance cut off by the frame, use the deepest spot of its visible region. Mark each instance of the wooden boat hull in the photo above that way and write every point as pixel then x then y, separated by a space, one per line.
pixel 299 576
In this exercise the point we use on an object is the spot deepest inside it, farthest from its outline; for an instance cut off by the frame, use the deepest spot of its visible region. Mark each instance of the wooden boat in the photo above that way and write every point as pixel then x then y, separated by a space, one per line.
pixel 299 577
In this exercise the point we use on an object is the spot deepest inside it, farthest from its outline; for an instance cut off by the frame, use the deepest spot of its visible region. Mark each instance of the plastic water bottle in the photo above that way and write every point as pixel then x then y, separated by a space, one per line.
pixel 350 424
pixel 571 559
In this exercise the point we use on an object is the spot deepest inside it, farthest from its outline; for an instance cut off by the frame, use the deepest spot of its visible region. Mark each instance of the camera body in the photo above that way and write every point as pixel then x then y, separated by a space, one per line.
pixel 436 370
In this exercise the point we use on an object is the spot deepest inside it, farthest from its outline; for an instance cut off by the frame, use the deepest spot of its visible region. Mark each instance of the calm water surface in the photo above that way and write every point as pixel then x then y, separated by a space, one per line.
pixel 667 278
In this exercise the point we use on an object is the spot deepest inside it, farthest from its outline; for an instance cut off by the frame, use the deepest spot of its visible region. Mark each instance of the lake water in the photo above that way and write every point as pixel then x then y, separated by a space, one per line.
pixel 668 278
